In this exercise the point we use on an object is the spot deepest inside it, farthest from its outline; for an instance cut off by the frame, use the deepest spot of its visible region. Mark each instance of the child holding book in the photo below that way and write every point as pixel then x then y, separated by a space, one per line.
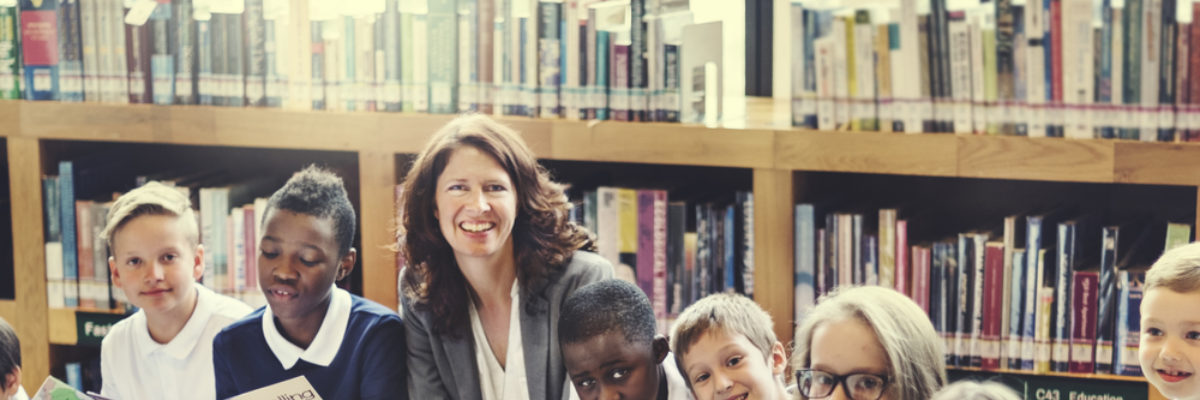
pixel 165 348
pixel 726 348
pixel 346 347
pixel 1170 339
pixel 10 364
pixel 873 343
pixel 606 330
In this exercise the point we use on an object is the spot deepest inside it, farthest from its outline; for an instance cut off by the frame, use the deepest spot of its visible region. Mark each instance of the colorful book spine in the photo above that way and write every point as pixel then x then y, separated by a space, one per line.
pixel 70 52
pixel 1061 337
pixel 1106 318
pixel 1083 321
pixel 255 51
pixel 804 270
pixel 1129 318
pixel 39 49
pixel 550 56
pixel 162 57
pixel 185 52
pixel 1016 311
pixel 66 207
pixel 10 44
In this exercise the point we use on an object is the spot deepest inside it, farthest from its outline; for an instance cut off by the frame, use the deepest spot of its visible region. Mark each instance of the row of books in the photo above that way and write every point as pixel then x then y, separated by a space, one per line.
pixel 1059 295
pixel 77 270
pixel 579 59
pixel 675 251
pixel 1060 68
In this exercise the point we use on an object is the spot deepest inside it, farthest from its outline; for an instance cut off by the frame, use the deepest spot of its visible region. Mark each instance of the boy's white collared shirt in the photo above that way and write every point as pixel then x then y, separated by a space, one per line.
pixel 134 366
pixel 324 346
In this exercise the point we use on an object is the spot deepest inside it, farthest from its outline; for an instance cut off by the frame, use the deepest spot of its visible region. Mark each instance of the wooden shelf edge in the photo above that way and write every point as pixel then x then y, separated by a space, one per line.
pixel 866 152
pixel 1108 377
pixel 945 155
pixel 662 143
pixel 1157 163
pixel 1039 159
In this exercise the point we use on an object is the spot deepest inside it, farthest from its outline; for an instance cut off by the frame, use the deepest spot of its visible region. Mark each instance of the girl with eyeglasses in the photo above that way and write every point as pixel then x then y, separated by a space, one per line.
pixel 867 343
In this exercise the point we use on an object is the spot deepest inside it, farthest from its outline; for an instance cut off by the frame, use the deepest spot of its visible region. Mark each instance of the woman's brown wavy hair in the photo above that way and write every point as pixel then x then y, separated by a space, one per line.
pixel 544 238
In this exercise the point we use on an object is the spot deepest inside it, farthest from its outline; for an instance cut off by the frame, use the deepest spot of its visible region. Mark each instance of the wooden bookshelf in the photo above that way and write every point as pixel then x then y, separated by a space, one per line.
pixel 761 142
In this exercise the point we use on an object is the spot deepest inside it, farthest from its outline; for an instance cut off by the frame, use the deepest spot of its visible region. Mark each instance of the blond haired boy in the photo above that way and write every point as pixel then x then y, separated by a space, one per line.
pixel 725 347
pixel 1170 338
pixel 164 350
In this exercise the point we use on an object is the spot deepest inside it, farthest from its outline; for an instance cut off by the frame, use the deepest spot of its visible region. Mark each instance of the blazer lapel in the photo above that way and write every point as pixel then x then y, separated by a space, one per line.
pixel 460 355
pixel 535 333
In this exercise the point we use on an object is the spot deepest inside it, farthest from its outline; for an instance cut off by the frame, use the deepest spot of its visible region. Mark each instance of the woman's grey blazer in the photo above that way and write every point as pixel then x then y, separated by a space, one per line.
pixel 441 367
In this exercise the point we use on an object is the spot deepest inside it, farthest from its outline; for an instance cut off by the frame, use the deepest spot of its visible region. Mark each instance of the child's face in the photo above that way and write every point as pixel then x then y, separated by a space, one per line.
pixel 724 365
pixel 1170 344
pixel 846 347
pixel 607 366
pixel 155 264
pixel 476 205
pixel 298 263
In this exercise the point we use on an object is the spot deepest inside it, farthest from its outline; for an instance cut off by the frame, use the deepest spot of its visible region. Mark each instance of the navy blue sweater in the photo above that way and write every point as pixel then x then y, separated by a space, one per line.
pixel 370 364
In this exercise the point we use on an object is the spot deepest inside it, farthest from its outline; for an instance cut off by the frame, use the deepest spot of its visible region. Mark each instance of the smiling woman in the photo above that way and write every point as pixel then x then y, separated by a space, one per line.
pixel 492 256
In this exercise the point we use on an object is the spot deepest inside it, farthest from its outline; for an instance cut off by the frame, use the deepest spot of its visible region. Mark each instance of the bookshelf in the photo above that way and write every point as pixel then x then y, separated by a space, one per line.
pixel 765 155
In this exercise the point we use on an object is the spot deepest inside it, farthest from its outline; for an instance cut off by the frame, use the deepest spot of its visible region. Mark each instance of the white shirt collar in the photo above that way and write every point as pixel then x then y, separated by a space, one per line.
pixel 324 346
pixel 185 341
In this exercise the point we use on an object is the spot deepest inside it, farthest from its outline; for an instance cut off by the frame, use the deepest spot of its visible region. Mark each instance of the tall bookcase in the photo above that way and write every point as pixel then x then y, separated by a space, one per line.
pixel 780 165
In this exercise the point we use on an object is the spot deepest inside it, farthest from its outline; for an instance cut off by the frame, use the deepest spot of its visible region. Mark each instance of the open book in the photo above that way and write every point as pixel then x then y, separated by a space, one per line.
pixel 54 389
pixel 297 388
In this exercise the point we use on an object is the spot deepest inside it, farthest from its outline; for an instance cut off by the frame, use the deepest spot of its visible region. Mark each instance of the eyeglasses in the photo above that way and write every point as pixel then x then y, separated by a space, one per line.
pixel 815 384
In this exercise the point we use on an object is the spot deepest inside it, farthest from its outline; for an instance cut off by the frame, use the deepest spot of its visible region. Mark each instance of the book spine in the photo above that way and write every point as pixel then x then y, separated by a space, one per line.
pixel 883 75
pixel 1193 111
pixel 235 47
pixel 549 57
pixel 89 37
pixel 39 49
pixel 83 251
pixel 618 92
pixel 1106 318
pixel 922 273
pixel 162 59
pixel 205 79
pixel 646 224
pixel 1016 310
pixel 1083 321
pixel 185 55
pixel 1065 252
pixel 70 58
pixel 66 206
pixel 1165 112
pixel 1129 323
pixel 992 284
pixel 805 259
pixel 745 242
pixel 137 63
pixel 255 66
pixel 317 55
pixel 905 275
pixel 10 84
